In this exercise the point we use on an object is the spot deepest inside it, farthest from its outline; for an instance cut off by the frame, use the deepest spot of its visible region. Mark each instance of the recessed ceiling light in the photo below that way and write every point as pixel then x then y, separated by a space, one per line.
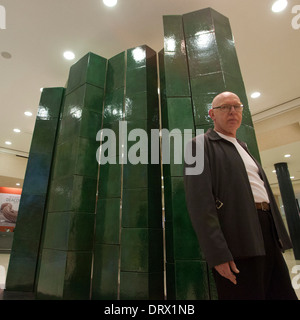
pixel 17 130
pixel 69 55
pixel 18 184
pixel 274 171
pixel 8 143
pixel 287 156
pixel 255 95
pixel 28 113
pixel 279 5
pixel 292 177
pixel 6 55
pixel 110 3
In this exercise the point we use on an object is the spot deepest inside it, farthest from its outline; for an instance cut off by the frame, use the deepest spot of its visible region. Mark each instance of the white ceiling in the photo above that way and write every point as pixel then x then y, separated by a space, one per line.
pixel 38 32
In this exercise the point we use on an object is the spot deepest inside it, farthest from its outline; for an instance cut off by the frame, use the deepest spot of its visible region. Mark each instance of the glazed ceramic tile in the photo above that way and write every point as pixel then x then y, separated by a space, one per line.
pixel 115 72
pixel 192 280
pixel 108 221
pixel 89 69
pixel 105 274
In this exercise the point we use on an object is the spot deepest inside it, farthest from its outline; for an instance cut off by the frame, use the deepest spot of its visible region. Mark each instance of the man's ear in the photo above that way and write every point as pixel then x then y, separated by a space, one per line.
pixel 211 114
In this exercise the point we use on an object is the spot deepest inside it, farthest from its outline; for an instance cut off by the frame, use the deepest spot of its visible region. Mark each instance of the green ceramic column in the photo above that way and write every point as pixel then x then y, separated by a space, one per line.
pixel 141 265
pixel 107 232
pixel 66 257
pixel 21 275
pixel 199 61
pixel 290 205
pixel 187 273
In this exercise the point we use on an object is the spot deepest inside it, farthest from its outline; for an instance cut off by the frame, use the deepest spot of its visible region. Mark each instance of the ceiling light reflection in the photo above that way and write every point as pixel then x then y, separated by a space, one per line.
pixel 170 44
pixel 204 41
pixel 139 54
pixel 43 113
pixel 76 112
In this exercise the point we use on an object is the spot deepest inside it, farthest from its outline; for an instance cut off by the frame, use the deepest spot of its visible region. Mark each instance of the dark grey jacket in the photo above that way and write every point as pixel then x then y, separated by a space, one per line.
pixel 232 231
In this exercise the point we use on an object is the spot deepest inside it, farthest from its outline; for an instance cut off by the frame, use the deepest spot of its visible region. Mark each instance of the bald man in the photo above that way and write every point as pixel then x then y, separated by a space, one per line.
pixel 234 213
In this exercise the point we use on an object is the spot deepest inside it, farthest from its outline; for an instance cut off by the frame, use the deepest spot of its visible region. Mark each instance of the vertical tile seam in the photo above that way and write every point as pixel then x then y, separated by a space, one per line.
pixel 163 216
pixel 122 172
pixel 218 51
pixel 188 70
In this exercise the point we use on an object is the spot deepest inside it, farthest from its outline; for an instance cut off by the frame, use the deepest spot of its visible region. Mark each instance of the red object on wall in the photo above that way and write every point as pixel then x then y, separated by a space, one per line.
pixel 12 191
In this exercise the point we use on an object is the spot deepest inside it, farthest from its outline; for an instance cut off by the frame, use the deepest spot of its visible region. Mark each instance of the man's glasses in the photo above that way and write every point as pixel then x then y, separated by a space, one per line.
pixel 227 108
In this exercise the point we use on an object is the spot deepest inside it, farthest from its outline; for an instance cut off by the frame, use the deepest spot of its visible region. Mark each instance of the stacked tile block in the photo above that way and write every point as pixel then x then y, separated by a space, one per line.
pixel 198 62
pixel 129 225
pixel 67 248
pixel 27 235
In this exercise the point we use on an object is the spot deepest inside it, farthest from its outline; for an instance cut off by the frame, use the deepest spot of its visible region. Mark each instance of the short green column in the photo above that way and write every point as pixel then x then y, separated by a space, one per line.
pixel 290 205
pixel 21 274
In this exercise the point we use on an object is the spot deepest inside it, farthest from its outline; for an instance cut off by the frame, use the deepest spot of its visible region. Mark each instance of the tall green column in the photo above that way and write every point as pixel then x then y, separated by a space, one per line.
pixel 198 62
pixel 187 273
pixel 66 256
pixel 21 274
pixel 290 205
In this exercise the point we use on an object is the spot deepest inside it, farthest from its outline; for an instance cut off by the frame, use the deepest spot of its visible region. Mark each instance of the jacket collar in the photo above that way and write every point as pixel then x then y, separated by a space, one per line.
pixel 212 135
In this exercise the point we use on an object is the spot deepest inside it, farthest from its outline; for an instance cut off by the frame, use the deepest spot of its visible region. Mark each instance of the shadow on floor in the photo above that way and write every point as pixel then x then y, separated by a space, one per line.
pixel 11 295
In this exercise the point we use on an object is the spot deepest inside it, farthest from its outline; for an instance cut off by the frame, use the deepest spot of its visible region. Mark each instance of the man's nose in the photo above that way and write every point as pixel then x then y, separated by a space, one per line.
pixel 232 109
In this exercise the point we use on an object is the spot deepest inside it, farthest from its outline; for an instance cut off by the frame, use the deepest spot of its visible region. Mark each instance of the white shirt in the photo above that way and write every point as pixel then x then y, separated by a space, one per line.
pixel 257 185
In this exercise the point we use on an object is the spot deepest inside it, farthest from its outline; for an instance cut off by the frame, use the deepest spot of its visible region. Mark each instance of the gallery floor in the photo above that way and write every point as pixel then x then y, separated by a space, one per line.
pixel 4 261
